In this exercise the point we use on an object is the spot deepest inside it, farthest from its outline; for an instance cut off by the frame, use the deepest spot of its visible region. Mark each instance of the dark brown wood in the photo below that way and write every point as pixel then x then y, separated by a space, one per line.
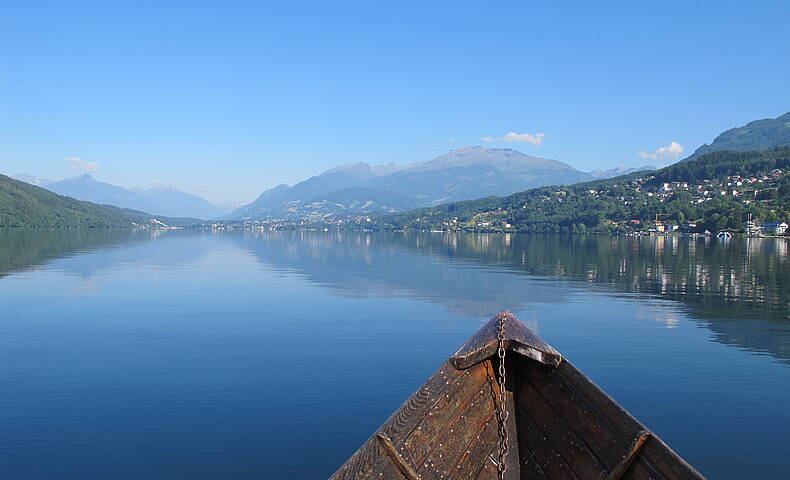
pixel 561 425
pixel 554 429
pixel 518 338
pixel 628 460
pixel 397 458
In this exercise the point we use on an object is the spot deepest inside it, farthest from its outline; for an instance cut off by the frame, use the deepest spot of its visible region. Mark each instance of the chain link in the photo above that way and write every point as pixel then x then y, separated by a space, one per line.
pixel 502 412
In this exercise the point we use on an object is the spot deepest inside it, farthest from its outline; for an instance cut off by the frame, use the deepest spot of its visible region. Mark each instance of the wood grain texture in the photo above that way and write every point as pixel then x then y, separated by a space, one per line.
pixel 656 457
pixel 560 424
pixel 397 458
pixel 518 338
pixel 621 469
pixel 368 460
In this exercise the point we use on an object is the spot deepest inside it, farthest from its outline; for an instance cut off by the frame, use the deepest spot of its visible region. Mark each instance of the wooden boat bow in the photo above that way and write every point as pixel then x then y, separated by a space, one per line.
pixel 518 338
pixel 562 426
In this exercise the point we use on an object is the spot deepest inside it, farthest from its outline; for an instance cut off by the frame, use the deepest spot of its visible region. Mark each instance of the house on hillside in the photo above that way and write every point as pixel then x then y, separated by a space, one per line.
pixel 774 228
pixel 752 229
pixel 666 226
pixel 688 227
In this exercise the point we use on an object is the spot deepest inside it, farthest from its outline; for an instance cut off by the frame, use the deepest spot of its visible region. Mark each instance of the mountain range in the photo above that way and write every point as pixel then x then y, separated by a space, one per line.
pixel 26 205
pixel 462 174
pixel 617 171
pixel 158 200
pixel 716 191
pixel 352 189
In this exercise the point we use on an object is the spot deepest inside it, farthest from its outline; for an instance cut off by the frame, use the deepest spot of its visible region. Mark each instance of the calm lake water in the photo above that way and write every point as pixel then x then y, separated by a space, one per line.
pixel 170 354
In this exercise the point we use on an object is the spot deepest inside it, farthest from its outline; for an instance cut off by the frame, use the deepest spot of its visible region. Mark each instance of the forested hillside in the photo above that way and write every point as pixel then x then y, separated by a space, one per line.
pixel 764 134
pixel 717 191
pixel 24 205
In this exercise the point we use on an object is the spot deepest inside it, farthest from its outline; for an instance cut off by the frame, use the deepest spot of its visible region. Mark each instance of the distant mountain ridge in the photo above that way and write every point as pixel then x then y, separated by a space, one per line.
pixel 702 191
pixel 33 180
pixel 764 134
pixel 26 205
pixel 617 171
pixel 159 199
pixel 461 174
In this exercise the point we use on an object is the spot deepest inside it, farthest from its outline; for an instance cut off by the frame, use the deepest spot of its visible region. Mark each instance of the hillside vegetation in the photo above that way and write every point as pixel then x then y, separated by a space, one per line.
pixel 764 134
pixel 717 191
pixel 24 205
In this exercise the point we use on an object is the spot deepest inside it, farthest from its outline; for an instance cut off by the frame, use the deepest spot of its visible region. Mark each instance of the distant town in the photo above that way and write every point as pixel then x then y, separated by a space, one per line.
pixel 747 190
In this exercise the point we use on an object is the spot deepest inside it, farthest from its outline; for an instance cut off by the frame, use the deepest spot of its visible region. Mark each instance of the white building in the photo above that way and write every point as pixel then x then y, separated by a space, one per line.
pixel 774 228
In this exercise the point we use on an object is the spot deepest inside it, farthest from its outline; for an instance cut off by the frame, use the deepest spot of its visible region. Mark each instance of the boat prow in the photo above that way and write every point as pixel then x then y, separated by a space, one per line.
pixel 560 424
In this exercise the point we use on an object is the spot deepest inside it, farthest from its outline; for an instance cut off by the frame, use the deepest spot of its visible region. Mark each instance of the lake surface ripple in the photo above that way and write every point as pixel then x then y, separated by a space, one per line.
pixel 176 354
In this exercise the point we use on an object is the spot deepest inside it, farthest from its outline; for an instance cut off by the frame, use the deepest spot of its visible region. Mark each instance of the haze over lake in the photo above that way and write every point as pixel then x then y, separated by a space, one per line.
pixel 186 354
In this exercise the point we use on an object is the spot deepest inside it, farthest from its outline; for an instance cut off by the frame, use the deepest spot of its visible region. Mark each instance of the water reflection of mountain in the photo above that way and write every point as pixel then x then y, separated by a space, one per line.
pixel 740 290
pixel 84 253
pixel 744 278
pixel 22 249
pixel 382 265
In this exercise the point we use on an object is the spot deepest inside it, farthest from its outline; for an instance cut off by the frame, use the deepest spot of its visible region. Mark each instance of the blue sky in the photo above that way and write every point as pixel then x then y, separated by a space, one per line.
pixel 229 98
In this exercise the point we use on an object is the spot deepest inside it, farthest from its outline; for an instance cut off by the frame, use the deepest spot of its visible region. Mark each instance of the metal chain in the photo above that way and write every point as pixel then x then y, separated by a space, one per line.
pixel 502 412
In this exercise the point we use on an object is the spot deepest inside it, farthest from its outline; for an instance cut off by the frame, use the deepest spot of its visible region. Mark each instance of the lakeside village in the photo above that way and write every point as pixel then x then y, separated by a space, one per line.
pixel 748 189
pixel 761 190
pixel 661 227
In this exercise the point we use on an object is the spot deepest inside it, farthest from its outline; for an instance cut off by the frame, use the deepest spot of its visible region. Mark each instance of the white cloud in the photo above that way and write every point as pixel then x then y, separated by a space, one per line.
pixel 673 151
pixel 534 139
pixel 81 165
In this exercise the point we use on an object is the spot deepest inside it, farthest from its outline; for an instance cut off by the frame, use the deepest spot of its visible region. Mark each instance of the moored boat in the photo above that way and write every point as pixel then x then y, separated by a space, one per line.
pixel 557 423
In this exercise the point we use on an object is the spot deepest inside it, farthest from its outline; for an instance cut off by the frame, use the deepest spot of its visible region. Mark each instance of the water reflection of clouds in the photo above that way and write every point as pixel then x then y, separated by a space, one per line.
pixel 361 265
pixel 158 250
pixel 664 313
pixel 739 289
pixel 83 288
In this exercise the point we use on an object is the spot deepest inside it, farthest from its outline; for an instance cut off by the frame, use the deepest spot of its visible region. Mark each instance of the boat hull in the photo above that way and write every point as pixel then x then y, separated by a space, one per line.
pixel 561 425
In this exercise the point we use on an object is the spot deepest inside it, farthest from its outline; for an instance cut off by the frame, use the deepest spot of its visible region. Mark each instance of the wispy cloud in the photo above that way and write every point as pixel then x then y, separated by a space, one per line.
pixel 81 165
pixel 513 137
pixel 673 151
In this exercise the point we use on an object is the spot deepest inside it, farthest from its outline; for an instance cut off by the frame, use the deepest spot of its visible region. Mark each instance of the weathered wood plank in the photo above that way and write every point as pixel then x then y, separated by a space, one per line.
pixel 450 448
pixel 377 465
pixel 624 426
pixel 565 440
pixel 370 457
pixel 533 439
pixel 388 471
pixel 529 467
pixel 668 463
pixel 487 471
pixel 445 412
pixel 477 451
pixel 658 459
pixel 512 458
pixel 561 424
pixel 621 469
pixel 518 338
pixel 397 458
pixel 582 419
